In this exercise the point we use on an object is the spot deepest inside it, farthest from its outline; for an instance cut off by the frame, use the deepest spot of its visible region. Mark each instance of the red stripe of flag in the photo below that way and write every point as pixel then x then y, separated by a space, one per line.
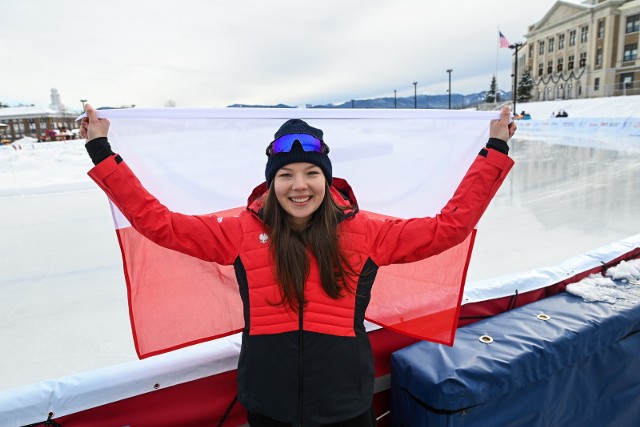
pixel 502 40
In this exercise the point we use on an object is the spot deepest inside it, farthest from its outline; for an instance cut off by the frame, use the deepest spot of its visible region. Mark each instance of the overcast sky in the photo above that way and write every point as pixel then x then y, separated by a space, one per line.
pixel 213 53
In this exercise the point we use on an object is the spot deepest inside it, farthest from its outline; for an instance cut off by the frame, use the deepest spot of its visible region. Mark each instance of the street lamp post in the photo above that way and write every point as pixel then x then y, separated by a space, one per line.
pixel 353 103
pixel 449 71
pixel 515 47
pixel 84 101
pixel 415 94
pixel 395 98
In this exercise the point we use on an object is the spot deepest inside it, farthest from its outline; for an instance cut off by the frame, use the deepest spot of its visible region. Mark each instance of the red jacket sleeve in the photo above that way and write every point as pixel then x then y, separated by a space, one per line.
pixel 206 237
pixel 401 241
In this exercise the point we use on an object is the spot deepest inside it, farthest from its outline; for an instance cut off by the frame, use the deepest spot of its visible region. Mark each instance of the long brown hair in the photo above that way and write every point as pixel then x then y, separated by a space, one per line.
pixel 289 249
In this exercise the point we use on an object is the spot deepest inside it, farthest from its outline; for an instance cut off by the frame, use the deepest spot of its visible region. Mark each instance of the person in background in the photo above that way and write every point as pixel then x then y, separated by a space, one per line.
pixel 305 259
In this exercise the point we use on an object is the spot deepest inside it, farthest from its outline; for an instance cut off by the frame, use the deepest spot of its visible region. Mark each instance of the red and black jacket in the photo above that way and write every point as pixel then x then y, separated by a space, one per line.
pixel 313 367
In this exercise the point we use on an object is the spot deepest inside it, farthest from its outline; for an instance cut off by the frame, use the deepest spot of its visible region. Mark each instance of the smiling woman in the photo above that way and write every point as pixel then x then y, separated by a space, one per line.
pixel 304 260
pixel 298 158
pixel 300 188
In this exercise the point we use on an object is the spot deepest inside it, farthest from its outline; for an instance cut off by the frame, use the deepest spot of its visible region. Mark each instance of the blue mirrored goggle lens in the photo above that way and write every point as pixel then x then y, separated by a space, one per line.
pixel 285 143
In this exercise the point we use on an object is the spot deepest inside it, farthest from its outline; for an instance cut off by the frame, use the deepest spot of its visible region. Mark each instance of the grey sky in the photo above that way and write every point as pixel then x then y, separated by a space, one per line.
pixel 215 53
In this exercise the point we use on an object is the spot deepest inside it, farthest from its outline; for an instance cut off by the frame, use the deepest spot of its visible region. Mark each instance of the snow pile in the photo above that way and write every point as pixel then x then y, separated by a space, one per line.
pixel 614 106
pixel 47 167
pixel 620 283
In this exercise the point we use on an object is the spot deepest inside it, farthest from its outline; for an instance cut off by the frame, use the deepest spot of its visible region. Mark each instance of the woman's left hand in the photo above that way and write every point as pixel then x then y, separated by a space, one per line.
pixel 501 128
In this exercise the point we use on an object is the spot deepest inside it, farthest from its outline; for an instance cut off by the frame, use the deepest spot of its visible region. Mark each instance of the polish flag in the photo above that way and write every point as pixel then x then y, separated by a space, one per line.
pixel 400 163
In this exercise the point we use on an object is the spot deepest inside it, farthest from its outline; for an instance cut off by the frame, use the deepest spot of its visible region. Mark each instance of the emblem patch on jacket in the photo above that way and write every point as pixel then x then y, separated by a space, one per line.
pixel 264 237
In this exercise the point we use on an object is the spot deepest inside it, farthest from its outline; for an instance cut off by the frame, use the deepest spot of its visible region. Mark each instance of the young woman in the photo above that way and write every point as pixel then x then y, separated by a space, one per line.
pixel 305 260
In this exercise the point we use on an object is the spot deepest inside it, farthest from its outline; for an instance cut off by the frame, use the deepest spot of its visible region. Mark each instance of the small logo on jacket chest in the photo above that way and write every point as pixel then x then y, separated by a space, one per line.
pixel 264 237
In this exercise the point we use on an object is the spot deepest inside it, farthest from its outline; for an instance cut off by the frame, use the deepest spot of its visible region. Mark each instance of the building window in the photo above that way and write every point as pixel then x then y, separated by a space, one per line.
pixel 560 64
pixel 571 61
pixel 572 38
pixel 560 41
pixel 596 83
pixel 626 81
pixel 584 34
pixel 540 69
pixel 630 52
pixel 552 43
pixel 633 24
pixel 541 47
pixel 601 29
pixel 599 56
pixel 549 67
pixel 583 59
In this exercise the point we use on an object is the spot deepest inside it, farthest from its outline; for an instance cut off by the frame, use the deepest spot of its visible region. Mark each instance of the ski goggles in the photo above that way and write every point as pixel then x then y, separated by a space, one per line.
pixel 307 142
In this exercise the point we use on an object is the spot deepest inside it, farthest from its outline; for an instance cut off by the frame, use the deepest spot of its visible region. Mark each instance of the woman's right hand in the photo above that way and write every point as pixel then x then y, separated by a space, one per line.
pixel 91 127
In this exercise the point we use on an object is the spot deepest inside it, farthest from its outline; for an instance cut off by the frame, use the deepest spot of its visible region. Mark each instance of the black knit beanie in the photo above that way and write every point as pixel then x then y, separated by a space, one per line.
pixel 297 154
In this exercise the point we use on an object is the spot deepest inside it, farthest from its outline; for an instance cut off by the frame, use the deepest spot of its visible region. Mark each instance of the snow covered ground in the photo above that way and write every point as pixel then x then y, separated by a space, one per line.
pixel 62 293
pixel 615 106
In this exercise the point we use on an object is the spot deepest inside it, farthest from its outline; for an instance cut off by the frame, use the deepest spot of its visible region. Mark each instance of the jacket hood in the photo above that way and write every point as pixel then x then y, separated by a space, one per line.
pixel 341 193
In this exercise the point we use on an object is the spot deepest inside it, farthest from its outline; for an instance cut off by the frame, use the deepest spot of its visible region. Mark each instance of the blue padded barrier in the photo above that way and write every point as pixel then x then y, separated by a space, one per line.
pixel 581 367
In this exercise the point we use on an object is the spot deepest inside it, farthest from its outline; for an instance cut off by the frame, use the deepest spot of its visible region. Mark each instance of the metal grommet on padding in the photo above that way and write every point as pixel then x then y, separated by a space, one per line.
pixel 543 316
pixel 486 339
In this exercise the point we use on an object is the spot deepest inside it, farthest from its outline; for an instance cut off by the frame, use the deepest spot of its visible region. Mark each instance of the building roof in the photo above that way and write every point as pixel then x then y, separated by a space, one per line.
pixel 30 113
pixel 630 5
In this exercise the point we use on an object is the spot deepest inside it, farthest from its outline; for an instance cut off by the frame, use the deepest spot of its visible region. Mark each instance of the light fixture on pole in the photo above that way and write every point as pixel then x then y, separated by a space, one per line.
pixel 84 101
pixel 515 47
pixel 415 94
pixel 449 71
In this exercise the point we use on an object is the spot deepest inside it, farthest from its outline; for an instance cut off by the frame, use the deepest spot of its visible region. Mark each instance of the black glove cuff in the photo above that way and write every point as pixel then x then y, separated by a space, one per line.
pixel 99 149
pixel 498 145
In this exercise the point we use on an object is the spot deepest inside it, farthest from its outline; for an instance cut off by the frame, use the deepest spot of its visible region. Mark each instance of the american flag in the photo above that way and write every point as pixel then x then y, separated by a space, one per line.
pixel 502 40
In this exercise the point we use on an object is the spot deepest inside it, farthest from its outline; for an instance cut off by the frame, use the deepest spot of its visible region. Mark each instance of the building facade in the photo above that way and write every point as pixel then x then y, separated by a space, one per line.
pixel 585 49
pixel 44 124
pixel 34 122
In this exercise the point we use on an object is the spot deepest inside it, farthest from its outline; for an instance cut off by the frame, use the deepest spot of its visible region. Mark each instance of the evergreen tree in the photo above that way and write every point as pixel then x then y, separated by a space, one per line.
pixel 492 94
pixel 525 86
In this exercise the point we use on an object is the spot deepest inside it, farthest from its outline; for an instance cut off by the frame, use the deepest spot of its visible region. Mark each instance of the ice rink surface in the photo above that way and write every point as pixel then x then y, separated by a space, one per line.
pixel 63 306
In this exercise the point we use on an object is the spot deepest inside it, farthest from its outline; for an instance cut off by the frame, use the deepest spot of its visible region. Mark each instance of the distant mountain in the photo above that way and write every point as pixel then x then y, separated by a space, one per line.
pixel 458 101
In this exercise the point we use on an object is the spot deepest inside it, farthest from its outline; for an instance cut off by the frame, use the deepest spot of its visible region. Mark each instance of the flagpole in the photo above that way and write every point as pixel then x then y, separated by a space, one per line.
pixel 495 96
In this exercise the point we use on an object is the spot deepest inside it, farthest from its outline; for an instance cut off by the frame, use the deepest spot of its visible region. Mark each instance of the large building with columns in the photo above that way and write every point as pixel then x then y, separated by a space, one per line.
pixel 583 49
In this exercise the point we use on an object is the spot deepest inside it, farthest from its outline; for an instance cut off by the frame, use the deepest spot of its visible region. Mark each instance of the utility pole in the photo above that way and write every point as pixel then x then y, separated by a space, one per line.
pixel 449 71
pixel 415 94
pixel 515 47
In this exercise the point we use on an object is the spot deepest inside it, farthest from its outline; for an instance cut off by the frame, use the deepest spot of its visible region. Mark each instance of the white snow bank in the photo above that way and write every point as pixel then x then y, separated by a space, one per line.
pixel 614 106
pixel 598 288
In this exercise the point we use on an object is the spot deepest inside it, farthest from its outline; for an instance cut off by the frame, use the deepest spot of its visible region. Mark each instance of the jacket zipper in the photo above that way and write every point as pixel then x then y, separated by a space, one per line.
pixel 300 367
